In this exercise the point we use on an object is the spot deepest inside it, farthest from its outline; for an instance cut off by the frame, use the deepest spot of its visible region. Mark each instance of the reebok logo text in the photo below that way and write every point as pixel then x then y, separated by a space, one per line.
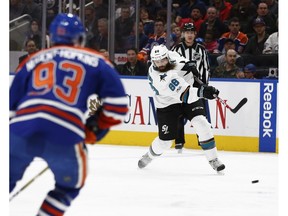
pixel 267 110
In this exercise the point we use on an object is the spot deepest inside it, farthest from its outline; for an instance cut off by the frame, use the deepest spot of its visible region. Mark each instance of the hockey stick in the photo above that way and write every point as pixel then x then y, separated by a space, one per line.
pixel 237 107
pixel 28 183
pixel 233 110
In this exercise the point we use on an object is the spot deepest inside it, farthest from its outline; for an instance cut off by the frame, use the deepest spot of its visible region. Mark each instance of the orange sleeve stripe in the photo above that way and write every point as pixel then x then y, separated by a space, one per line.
pixel 119 109
pixel 83 156
pixel 54 111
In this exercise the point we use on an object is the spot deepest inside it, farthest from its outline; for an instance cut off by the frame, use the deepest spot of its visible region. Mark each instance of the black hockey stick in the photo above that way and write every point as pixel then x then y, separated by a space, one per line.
pixel 233 110
pixel 28 183
pixel 237 107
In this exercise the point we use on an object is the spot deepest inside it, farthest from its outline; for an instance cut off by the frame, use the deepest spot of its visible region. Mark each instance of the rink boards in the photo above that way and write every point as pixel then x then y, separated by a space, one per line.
pixel 253 128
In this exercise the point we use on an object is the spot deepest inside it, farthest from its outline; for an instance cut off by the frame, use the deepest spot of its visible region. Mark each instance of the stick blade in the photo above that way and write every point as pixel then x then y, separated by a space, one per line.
pixel 239 105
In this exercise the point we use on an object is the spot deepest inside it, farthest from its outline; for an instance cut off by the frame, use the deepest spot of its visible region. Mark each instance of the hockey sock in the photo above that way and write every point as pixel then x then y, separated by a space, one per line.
pixel 57 201
pixel 209 149
pixel 158 147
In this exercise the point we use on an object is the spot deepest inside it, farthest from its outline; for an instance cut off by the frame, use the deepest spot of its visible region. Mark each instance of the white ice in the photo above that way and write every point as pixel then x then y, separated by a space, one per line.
pixel 173 184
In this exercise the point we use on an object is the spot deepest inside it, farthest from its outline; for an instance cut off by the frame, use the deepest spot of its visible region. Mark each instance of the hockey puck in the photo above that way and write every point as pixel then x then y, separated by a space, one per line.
pixel 255 181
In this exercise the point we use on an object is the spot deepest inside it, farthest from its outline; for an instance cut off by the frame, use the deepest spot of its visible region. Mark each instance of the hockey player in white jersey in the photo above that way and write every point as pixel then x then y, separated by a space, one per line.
pixel 171 78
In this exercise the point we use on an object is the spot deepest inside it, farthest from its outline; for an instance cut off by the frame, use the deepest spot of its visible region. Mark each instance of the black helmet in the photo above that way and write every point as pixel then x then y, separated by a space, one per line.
pixel 189 27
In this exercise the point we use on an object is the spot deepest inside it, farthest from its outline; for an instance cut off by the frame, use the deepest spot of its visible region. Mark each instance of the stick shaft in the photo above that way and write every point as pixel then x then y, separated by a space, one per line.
pixel 28 183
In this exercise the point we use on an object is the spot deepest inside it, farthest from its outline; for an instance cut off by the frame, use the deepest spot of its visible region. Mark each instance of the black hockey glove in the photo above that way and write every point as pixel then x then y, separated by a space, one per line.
pixel 190 66
pixel 208 92
pixel 92 131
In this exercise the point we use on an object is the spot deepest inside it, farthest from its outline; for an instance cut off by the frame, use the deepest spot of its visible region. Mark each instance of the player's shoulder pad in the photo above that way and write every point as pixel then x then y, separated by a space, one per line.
pixel 173 56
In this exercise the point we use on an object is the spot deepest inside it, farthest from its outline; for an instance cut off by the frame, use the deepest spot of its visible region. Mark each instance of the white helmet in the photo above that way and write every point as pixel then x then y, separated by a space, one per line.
pixel 159 52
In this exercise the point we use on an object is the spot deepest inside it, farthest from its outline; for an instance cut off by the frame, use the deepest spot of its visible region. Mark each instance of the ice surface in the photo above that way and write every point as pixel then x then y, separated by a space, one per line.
pixel 173 184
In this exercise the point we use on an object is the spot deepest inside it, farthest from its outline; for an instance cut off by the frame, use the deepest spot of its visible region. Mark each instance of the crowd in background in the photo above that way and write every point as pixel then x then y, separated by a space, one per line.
pixel 249 27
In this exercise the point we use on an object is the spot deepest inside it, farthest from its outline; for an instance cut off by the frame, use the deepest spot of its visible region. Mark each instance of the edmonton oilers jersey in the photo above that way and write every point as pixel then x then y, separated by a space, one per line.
pixel 50 92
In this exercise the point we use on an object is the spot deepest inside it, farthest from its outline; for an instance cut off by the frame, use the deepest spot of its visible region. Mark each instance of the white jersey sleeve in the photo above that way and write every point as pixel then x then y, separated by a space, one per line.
pixel 179 61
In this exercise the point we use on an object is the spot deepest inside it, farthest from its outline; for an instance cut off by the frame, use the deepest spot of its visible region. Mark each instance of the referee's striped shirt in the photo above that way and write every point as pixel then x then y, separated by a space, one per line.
pixel 198 53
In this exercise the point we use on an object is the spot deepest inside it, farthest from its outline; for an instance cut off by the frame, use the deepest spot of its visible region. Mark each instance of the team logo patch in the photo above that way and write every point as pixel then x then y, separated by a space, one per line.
pixel 162 77
pixel 165 129
pixel 61 31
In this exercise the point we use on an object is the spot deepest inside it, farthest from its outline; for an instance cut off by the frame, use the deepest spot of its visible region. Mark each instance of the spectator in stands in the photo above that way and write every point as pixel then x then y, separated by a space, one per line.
pixel 159 37
pixel 178 33
pixel 196 18
pixel 213 23
pixel 133 66
pixel 100 41
pixel 90 22
pixel 249 71
pixel 269 19
pixel 94 12
pixel 271 44
pixel 228 69
pixel 186 9
pixel 235 34
pixel 34 33
pixel 230 44
pixel 245 10
pixel 162 14
pixel 272 7
pixel 52 10
pixel 223 8
pixel 16 9
pixel 33 9
pixel 147 22
pixel 30 48
pixel 210 42
pixel 129 4
pixel 143 38
pixel 105 53
pixel 152 6
pixel 123 28
pixel 175 7
pixel 101 9
pixel 256 42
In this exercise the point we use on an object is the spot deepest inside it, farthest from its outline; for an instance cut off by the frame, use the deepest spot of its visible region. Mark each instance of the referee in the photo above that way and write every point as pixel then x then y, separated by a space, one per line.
pixel 197 53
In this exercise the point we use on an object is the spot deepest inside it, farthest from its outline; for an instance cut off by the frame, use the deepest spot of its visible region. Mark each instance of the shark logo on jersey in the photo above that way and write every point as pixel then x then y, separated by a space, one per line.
pixel 162 77
pixel 165 129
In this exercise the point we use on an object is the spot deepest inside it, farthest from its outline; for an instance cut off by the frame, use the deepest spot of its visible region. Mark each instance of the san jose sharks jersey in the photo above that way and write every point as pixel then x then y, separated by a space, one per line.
pixel 169 86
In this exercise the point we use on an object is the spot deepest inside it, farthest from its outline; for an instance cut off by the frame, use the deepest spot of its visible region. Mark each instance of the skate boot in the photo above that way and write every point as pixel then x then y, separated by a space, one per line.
pixel 144 161
pixel 179 147
pixel 217 164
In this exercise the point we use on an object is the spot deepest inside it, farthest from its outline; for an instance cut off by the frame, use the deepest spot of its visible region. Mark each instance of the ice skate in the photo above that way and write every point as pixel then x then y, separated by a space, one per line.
pixel 217 165
pixel 179 147
pixel 144 161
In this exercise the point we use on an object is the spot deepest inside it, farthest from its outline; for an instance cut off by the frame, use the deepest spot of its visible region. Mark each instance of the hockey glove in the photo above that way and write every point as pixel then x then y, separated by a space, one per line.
pixel 190 66
pixel 92 131
pixel 208 92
